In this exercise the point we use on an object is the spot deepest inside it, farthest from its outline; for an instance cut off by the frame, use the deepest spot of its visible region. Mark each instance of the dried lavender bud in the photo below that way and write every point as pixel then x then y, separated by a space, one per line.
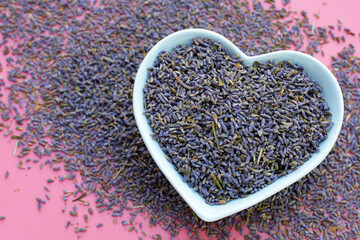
pixel 230 130
pixel 80 59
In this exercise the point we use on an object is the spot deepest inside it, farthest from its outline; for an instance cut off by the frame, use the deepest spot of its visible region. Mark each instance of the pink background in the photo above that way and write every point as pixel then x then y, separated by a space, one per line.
pixel 19 192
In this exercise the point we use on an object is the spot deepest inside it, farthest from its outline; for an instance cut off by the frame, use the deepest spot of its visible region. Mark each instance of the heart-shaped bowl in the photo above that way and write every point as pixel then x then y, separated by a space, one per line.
pixel 319 73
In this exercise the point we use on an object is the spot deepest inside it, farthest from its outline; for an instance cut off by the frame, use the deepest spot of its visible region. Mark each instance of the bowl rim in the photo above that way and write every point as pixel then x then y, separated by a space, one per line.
pixel 205 211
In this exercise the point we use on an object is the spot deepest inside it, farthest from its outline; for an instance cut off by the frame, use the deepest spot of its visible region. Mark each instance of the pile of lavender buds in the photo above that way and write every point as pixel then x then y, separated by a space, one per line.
pixel 230 130
pixel 73 66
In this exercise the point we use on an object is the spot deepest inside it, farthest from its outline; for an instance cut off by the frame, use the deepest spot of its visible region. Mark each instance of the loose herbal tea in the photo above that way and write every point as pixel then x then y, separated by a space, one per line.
pixel 229 129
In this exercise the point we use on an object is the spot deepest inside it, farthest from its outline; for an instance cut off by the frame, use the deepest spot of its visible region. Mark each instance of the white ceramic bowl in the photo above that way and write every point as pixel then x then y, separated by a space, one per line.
pixel 320 74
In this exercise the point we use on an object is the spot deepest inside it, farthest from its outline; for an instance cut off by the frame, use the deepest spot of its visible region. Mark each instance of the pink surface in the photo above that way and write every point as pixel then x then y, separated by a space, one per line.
pixel 19 191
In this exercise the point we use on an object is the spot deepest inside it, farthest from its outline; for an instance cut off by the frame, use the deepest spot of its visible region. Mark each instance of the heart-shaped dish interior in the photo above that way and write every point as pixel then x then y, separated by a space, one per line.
pixel 318 72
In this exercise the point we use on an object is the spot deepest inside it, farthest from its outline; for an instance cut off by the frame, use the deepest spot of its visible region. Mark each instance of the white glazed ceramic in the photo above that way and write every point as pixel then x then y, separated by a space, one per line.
pixel 319 72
